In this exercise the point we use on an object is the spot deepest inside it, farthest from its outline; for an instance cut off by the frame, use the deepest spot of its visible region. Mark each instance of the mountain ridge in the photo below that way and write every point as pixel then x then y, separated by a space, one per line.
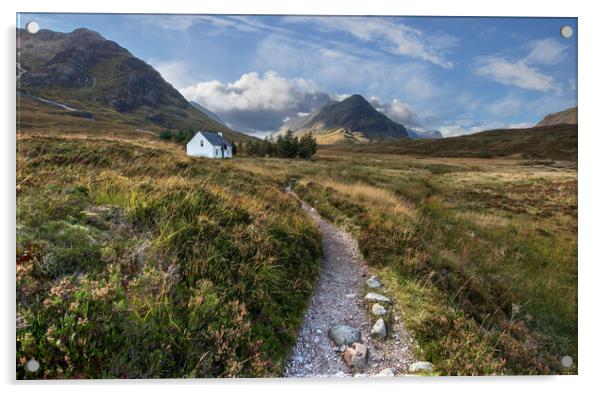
pixel 352 120
pixel 83 70
pixel 567 116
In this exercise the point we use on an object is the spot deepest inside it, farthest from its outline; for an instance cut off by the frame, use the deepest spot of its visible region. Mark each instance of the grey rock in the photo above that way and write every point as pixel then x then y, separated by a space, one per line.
pixel 373 282
pixel 378 309
pixel 420 366
pixel 343 334
pixel 387 372
pixel 379 329
pixel 356 355
pixel 376 297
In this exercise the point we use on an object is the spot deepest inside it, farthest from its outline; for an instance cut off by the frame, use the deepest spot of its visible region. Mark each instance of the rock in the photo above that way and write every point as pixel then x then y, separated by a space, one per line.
pixel 420 366
pixel 378 309
pixel 355 355
pixel 374 282
pixel 343 334
pixel 376 297
pixel 341 349
pixel 387 372
pixel 379 329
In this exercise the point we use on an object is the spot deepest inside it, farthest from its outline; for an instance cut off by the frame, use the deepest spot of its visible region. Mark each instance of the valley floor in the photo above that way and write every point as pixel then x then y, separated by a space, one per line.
pixel 134 260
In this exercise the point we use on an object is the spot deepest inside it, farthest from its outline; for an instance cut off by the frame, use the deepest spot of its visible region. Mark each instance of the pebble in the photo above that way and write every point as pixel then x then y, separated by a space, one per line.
pixel 373 282
pixel 420 366
pixel 387 372
pixel 378 309
pixel 376 297
pixel 379 329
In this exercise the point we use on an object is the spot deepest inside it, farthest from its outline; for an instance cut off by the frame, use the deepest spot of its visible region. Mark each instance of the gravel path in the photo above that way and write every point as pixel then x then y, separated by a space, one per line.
pixel 338 299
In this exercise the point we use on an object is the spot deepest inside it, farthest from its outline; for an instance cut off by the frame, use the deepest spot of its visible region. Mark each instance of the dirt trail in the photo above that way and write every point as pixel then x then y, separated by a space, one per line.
pixel 339 299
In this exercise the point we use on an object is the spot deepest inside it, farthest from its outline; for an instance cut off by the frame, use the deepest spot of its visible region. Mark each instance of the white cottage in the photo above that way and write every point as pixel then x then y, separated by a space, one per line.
pixel 210 145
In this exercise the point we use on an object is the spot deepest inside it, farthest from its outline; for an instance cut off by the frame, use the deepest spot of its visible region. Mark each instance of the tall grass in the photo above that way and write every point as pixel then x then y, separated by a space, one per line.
pixel 137 261
pixel 478 251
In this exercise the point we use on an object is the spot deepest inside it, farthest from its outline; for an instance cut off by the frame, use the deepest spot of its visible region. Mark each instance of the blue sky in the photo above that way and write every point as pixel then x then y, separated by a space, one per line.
pixel 456 75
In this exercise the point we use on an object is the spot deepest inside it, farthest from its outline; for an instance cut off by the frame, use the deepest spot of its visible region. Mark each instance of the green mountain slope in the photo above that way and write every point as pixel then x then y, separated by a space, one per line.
pixel 85 72
pixel 552 142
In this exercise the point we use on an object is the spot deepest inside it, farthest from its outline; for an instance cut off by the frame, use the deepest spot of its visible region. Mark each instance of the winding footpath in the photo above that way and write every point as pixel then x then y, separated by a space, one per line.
pixel 339 300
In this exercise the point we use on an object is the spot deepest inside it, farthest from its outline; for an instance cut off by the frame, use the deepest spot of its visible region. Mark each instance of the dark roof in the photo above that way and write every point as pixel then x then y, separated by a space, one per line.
pixel 215 139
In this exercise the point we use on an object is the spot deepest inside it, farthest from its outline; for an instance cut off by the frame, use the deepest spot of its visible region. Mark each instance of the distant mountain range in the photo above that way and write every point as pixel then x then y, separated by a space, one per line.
pixel 567 116
pixel 415 134
pixel 83 71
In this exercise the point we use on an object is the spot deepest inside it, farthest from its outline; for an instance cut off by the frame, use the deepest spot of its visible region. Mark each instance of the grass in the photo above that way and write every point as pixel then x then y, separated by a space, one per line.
pixel 474 251
pixel 136 261
pixel 557 142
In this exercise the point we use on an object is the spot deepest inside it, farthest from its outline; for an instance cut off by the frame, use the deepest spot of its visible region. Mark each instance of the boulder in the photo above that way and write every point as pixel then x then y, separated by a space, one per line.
pixel 379 329
pixel 387 372
pixel 420 366
pixel 343 334
pixel 377 297
pixel 373 282
pixel 356 355
pixel 378 309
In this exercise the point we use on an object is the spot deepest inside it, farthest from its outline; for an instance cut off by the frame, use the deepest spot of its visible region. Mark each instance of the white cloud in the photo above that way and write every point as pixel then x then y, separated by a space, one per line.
pixel 258 102
pixel 392 37
pixel 467 126
pixel 517 73
pixel 546 52
pixel 507 106
pixel 396 110
pixel 345 71
pixel 524 73
pixel 173 72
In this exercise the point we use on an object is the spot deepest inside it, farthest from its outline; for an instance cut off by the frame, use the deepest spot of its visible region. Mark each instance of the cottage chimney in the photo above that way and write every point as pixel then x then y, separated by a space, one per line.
pixel 220 134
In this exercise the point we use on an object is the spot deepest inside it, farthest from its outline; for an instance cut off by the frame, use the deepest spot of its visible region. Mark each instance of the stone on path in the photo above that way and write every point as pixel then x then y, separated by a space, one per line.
pixel 420 366
pixel 377 297
pixel 379 329
pixel 342 334
pixel 378 309
pixel 373 282
pixel 355 355
pixel 387 372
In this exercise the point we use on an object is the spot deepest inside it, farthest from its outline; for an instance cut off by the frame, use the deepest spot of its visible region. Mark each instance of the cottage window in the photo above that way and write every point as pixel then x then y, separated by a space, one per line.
pixel 202 144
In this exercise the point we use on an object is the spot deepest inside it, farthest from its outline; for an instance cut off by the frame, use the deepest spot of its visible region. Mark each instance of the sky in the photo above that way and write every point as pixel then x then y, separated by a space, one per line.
pixel 452 74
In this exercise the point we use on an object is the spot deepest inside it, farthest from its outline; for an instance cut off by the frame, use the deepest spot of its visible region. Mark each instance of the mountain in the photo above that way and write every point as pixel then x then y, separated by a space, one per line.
pixel 415 134
pixel 567 116
pixel 350 121
pixel 85 72
pixel 212 115
pixel 558 142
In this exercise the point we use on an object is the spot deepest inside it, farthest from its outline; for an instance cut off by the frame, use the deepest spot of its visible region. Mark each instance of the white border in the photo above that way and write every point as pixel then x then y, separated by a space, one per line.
pixel 589 183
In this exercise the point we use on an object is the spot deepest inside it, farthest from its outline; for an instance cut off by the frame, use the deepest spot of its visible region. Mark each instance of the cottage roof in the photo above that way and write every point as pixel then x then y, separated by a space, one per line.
pixel 215 139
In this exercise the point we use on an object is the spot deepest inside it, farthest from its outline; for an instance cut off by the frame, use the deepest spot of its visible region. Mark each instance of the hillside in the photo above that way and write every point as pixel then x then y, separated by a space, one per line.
pixel 551 142
pixel 568 116
pixel 82 72
pixel 350 121
pixel 212 115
